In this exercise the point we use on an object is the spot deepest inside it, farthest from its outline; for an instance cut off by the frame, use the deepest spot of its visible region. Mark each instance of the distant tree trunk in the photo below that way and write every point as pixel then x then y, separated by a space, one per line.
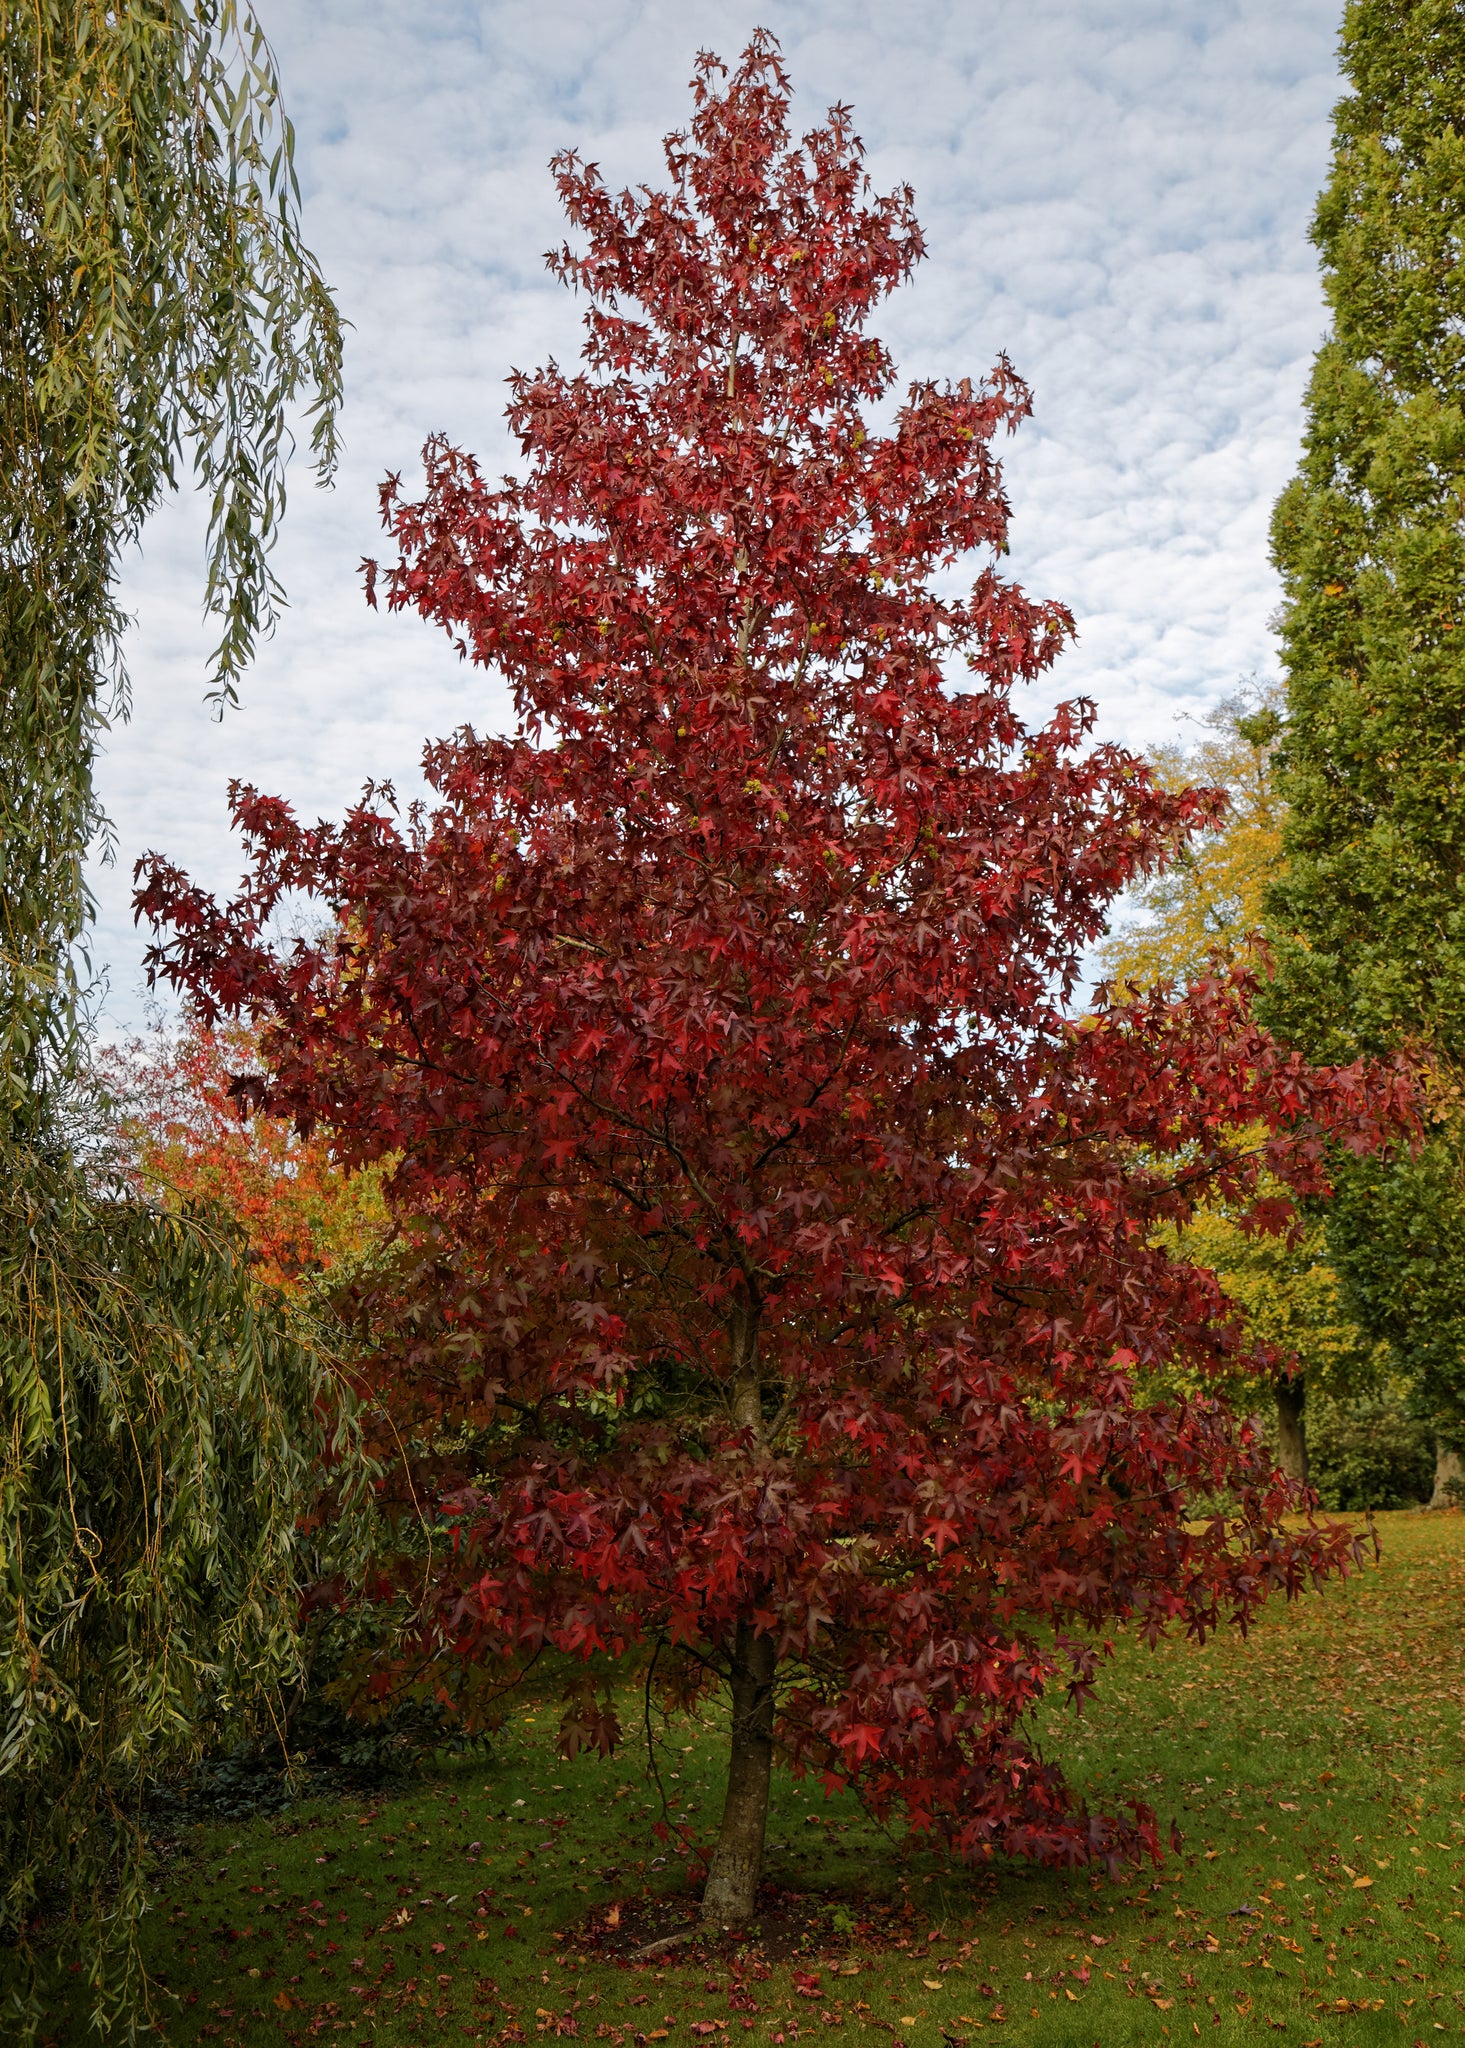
pixel 1291 1428
pixel 737 1861
pixel 1449 1470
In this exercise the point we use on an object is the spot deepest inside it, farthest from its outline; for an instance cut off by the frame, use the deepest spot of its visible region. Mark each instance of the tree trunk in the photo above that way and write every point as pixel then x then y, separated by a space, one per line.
pixel 737 1861
pixel 1449 1470
pixel 1291 1428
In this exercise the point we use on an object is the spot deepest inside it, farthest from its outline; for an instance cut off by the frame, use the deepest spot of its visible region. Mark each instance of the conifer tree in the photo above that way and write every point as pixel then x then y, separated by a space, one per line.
pixel 1368 915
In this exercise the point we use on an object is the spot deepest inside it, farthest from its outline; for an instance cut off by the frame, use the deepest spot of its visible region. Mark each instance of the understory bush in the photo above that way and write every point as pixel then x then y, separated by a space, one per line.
pixel 1369 1452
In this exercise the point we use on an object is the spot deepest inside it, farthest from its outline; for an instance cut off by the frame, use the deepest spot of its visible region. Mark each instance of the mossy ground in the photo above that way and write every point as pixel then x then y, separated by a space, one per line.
pixel 1316 1771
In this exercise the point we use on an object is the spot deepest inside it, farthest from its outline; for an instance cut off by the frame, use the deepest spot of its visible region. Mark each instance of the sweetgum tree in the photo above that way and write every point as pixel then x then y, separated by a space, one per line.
pixel 778 1256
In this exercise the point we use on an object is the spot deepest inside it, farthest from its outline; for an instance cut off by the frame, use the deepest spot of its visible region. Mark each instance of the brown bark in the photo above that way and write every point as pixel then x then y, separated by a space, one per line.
pixel 1292 1428
pixel 737 1862
pixel 1449 1471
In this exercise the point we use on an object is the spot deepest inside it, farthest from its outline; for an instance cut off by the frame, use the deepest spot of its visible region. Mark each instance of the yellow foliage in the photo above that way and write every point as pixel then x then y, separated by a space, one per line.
pixel 1211 898
pixel 1288 1296
pixel 1208 903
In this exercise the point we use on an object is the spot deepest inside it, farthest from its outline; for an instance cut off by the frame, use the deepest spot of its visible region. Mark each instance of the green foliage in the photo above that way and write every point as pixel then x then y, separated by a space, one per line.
pixel 1209 899
pixel 158 1429
pixel 1208 905
pixel 1370 540
pixel 159 1422
pixel 1367 916
pixel 154 297
pixel 1373 1452
pixel 1396 1234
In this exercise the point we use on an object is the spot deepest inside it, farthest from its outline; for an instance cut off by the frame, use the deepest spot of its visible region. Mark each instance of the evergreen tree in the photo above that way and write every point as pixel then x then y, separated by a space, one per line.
pixel 1368 915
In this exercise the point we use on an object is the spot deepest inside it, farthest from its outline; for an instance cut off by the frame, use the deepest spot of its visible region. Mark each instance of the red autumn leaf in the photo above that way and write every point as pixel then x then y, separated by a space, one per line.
pixel 778 1265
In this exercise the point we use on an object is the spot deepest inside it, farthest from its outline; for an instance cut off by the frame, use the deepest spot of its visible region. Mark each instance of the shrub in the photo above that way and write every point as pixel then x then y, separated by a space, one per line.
pixel 1369 1453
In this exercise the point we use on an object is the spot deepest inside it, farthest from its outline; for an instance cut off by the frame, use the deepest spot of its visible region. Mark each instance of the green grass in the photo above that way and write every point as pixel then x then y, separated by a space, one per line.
pixel 1316 1772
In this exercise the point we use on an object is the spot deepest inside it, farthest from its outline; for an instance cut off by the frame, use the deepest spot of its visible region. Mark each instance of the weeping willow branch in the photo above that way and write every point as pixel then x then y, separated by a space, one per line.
pixel 161 1431
pixel 156 302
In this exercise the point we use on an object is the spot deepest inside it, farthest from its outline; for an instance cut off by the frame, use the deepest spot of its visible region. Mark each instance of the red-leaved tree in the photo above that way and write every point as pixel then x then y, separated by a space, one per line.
pixel 781 1261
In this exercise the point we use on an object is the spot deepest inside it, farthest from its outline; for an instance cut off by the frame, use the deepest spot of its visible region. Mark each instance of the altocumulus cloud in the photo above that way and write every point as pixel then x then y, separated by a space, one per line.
pixel 1115 192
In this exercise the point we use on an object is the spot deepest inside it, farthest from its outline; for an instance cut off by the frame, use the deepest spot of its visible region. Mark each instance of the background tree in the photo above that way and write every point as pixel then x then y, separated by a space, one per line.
pixel 187 1141
pixel 1198 916
pixel 779 1253
pixel 1291 1305
pixel 1207 902
pixel 157 1420
pixel 163 1432
pixel 1367 917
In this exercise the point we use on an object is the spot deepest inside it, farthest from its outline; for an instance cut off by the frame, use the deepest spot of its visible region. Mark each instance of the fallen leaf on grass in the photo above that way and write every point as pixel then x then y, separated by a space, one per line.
pixel 1361 1884
pixel 932 1983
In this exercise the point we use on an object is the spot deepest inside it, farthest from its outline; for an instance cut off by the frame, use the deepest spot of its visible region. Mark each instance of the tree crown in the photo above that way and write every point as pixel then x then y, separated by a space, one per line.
pixel 777 1250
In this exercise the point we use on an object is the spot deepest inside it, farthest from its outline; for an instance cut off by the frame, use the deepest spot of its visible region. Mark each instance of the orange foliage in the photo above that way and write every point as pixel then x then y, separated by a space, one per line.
pixel 189 1138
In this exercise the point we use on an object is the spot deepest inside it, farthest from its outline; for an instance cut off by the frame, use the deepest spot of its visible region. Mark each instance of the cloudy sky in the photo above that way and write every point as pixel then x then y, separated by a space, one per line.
pixel 1114 192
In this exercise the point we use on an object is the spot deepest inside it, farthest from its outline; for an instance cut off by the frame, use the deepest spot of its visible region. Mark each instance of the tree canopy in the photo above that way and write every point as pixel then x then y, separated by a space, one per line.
pixel 1200 915
pixel 779 1250
pixel 160 1423
pixel 1367 918
pixel 185 1140
pixel 156 301
pixel 1207 901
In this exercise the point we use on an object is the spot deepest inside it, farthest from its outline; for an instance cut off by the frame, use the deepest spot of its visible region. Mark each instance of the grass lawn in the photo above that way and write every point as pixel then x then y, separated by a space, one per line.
pixel 1316 1772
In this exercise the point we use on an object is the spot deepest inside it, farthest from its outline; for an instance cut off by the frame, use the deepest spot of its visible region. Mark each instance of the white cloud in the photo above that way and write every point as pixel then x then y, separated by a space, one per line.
pixel 1116 194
